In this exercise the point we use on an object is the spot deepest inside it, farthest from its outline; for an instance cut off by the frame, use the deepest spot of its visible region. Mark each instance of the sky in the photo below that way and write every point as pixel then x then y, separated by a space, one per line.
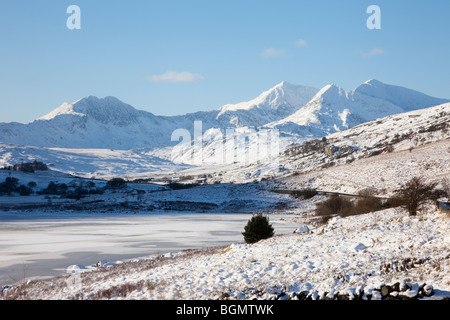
pixel 174 57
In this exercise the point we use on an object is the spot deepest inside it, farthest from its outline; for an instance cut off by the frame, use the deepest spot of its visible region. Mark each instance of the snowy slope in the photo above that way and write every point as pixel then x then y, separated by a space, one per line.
pixel 407 99
pixel 103 163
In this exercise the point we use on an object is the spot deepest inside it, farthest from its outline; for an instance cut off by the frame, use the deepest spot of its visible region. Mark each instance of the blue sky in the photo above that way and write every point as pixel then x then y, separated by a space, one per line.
pixel 175 57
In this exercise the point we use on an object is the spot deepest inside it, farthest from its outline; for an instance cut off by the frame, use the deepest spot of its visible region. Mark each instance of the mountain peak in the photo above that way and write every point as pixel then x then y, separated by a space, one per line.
pixel 64 109
pixel 284 93
pixel 106 110
pixel 284 84
pixel 94 100
pixel 407 99
pixel 330 92
pixel 374 82
pixel 97 99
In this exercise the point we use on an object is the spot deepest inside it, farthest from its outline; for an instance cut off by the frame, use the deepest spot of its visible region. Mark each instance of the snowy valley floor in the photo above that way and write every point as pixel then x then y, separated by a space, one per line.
pixel 358 257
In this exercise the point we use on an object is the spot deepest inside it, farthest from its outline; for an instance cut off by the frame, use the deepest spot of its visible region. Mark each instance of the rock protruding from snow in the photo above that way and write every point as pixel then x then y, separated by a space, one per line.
pixel 359 247
pixel 76 268
pixel 302 229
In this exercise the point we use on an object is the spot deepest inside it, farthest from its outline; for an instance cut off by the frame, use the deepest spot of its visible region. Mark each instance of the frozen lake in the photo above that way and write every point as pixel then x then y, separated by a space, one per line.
pixel 41 245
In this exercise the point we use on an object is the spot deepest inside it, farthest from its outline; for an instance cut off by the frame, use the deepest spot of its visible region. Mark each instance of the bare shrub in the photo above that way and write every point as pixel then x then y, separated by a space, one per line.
pixel 415 193
pixel 368 204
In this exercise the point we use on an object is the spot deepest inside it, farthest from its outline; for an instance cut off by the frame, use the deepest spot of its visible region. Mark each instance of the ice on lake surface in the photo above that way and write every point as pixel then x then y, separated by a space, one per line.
pixel 45 244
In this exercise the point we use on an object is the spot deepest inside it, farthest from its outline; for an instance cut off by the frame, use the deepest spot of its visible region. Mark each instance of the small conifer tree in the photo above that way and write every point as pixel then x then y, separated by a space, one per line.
pixel 257 228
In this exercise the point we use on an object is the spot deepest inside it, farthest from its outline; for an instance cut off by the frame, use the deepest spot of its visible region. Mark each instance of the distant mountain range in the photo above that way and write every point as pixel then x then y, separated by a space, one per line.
pixel 108 123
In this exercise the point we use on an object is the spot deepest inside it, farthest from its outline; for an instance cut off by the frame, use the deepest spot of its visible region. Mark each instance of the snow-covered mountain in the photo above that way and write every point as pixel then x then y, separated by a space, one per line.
pixel 334 109
pixel 110 123
pixel 298 112
pixel 99 123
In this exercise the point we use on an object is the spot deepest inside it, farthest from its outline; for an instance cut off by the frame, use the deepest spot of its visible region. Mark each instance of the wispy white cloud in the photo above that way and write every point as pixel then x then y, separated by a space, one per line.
pixel 272 53
pixel 176 77
pixel 300 43
pixel 373 52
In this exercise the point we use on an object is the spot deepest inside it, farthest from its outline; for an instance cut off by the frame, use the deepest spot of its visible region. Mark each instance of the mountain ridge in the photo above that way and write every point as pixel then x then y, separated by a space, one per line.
pixel 406 98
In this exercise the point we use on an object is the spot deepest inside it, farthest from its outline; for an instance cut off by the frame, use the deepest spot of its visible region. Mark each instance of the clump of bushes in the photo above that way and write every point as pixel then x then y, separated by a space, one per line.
pixel 344 207
pixel 180 186
pixel 116 183
pixel 411 196
pixel 304 193
pixel 11 185
pixel 27 167
pixel 258 228
pixel 55 188
pixel 72 190
pixel 334 205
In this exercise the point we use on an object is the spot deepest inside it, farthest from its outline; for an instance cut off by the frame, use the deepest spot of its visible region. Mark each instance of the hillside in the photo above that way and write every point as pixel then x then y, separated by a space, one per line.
pixel 382 255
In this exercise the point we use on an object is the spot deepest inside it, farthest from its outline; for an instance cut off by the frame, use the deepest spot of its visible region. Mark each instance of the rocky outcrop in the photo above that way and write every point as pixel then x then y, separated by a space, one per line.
pixel 397 291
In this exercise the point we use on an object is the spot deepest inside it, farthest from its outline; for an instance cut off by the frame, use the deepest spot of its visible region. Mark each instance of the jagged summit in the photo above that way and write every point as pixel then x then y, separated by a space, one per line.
pixel 284 92
pixel 272 105
pixel 331 92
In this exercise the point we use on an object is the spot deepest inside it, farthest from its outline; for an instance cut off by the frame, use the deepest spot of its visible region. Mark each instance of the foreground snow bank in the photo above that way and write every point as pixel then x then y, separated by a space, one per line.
pixel 367 255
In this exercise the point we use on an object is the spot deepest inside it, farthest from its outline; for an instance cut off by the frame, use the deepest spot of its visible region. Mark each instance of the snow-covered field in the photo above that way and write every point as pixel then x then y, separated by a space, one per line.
pixel 352 256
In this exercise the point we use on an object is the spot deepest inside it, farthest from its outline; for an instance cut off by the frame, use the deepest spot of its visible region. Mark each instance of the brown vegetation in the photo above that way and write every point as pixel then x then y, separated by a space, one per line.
pixel 415 193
